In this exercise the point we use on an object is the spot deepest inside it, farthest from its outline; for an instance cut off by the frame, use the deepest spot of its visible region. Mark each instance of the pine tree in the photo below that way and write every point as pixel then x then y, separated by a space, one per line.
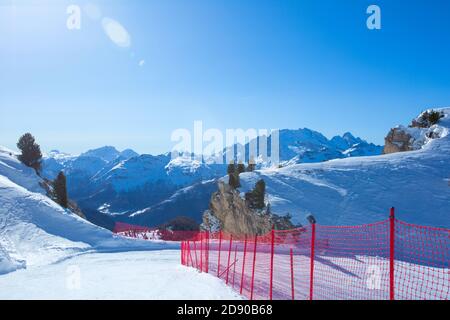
pixel 255 198
pixel 233 176
pixel 231 168
pixel 240 168
pixel 31 152
pixel 60 190
pixel 251 165
pixel 434 116
pixel 260 191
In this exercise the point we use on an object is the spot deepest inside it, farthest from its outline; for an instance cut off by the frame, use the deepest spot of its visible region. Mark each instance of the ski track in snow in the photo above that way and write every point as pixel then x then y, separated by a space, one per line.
pixel 125 275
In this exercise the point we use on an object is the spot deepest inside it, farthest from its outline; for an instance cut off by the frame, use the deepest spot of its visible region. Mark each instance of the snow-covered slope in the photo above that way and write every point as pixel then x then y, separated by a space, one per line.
pixel 153 275
pixel 34 230
pixel 39 236
pixel 362 189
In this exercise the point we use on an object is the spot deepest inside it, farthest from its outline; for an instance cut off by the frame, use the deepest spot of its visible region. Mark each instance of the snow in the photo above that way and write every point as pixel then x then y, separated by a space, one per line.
pixel 125 275
pixel 341 277
pixel 59 255
pixel 34 230
pixel 362 189
pixel 50 248
pixel 15 171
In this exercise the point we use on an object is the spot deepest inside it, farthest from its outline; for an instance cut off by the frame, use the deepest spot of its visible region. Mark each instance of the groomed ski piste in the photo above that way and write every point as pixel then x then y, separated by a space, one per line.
pixel 48 252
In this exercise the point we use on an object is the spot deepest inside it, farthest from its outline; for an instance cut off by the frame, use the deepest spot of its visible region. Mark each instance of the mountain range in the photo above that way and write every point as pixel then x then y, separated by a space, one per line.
pixel 110 185
pixel 350 191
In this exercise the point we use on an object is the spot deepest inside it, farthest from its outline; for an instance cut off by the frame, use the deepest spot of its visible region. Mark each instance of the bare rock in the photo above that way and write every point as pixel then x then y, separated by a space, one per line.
pixel 229 212
pixel 422 129
pixel 397 140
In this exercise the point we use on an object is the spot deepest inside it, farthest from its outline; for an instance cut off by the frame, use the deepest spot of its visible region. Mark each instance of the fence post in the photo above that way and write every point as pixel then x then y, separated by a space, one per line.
pixel 253 271
pixel 391 253
pixel 229 256
pixel 186 248
pixel 292 274
pixel 202 251
pixel 189 253
pixel 243 264
pixel 195 252
pixel 271 262
pixel 311 272
pixel 218 261
pixel 182 253
pixel 235 262
pixel 207 252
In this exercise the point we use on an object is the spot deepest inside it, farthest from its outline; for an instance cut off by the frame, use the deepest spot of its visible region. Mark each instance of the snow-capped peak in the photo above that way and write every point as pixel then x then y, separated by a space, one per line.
pixel 107 153
pixel 128 154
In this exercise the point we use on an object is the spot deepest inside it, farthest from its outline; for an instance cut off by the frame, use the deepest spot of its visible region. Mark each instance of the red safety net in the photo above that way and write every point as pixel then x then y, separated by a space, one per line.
pixel 146 233
pixel 390 259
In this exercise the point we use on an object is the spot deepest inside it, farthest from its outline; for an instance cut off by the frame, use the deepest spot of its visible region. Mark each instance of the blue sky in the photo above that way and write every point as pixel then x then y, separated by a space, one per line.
pixel 230 63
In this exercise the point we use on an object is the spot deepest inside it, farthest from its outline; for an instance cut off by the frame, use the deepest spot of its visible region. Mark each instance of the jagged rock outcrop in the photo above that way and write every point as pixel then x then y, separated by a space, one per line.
pixel 230 213
pixel 397 140
pixel 416 135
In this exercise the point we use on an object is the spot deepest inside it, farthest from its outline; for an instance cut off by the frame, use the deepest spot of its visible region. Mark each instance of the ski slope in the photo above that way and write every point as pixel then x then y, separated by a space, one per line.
pixel 126 275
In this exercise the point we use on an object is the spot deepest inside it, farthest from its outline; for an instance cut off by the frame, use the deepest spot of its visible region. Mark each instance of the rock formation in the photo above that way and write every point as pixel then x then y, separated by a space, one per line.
pixel 397 140
pixel 229 212
pixel 418 133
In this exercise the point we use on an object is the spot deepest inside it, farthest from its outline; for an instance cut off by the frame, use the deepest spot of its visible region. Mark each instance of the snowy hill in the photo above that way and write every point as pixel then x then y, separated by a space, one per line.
pixel 361 189
pixel 34 230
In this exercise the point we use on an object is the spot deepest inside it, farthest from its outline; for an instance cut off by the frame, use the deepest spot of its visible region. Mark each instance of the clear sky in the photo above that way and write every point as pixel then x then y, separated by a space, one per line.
pixel 230 63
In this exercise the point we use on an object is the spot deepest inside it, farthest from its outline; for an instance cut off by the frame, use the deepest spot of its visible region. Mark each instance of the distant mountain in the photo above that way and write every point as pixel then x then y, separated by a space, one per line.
pixel 107 182
pixel 106 153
